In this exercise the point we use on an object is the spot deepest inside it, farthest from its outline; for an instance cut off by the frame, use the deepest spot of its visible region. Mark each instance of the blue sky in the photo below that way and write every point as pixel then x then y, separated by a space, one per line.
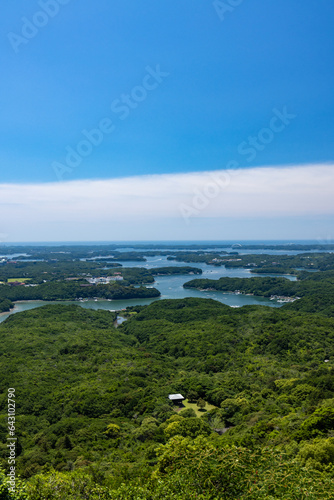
pixel 199 85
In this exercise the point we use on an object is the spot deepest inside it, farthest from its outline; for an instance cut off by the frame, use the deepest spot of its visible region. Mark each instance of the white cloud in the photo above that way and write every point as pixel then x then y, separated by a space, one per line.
pixel 266 191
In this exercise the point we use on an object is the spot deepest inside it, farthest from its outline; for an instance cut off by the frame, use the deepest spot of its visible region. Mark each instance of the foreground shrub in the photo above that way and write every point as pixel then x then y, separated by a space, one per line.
pixel 198 468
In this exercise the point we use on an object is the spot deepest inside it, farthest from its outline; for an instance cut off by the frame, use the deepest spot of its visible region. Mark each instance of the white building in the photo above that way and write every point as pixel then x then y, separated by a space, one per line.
pixel 104 280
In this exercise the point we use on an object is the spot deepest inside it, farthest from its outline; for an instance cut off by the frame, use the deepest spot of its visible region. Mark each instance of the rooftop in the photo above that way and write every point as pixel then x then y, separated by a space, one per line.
pixel 175 396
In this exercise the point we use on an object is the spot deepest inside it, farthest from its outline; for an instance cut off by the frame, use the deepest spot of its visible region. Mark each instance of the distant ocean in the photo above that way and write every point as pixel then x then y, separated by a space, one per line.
pixel 168 242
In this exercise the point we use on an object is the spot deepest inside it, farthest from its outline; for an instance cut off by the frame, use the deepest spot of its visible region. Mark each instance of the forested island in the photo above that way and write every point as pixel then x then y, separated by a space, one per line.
pixel 263 263
pixel 73 291
pixel 93 417
pixel 171 270
pixel 314 291
pixel 62 280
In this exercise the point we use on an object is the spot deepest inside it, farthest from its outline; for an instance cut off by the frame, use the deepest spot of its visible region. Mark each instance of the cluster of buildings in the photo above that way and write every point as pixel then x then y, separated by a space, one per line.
pixel 104 280
pixel 283 299
pixel 219 261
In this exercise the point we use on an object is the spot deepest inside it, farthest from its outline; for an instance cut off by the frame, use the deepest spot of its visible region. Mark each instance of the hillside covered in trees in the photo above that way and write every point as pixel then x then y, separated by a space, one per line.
pixel 94 419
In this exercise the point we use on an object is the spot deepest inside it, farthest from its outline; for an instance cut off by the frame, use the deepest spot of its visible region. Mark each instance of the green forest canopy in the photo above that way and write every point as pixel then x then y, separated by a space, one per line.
pixel 93 409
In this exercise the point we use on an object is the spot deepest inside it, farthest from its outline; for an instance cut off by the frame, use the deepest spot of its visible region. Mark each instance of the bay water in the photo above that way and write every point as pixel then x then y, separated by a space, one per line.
pixel 171 287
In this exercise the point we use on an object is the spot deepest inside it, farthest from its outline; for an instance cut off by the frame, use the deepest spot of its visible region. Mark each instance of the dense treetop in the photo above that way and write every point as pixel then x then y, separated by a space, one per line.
pixel 92 399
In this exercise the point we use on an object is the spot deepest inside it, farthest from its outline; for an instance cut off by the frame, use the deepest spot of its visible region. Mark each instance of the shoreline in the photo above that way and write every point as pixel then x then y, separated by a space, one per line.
pixel 278 298
pixel 60 301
